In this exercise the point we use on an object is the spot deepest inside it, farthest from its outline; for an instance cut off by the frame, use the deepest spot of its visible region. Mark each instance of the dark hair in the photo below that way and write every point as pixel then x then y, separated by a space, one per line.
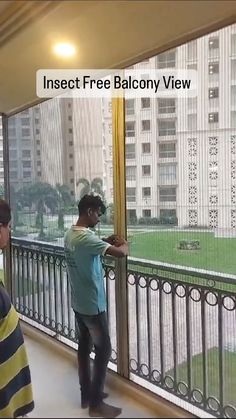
pixel 91 201
pixel 5 212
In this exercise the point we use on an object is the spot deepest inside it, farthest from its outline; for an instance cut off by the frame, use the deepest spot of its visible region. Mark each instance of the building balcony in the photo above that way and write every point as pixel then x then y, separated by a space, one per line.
pixel 168 115
pixel 181 321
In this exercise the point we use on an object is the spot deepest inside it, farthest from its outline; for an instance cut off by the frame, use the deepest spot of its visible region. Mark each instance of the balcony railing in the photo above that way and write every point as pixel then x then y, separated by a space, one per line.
pixel 182 322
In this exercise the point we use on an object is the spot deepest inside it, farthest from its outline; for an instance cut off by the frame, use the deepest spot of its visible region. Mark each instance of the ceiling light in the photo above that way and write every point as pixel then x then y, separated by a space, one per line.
pixel 64 49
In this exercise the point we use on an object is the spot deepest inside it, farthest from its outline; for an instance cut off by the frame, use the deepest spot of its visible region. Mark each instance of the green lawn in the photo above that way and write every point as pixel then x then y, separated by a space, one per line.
pixel 218 254
pixel 229 385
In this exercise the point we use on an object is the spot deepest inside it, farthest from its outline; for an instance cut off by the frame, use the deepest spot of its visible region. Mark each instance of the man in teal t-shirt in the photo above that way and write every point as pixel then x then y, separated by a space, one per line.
pixel 83 251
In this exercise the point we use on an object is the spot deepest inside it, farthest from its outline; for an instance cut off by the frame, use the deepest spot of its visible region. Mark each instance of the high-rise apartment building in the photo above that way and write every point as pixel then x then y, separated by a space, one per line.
pixel 180 153
pixel 24 138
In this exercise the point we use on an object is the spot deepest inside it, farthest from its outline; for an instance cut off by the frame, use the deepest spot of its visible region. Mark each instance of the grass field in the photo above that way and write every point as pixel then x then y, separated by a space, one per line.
pixel 229 385
pixel 216 254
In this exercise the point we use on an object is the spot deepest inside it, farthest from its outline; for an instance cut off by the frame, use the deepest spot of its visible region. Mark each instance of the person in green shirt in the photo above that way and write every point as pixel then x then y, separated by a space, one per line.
pixel 83 251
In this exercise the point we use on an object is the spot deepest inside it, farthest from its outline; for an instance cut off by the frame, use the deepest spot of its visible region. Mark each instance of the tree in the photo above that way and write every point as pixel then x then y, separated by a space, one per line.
pixel 64 200
pixel 85 188
pixel 18 199
pixel 94 187
pixel 42 195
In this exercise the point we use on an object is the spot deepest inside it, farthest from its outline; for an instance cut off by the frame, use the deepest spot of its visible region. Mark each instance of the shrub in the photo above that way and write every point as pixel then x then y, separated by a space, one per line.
pixel 189 245
pixel 169 220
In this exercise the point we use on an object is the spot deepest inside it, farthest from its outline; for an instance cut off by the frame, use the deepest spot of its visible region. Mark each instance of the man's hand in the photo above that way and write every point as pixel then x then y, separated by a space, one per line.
pixel 118 241
pixel 115 240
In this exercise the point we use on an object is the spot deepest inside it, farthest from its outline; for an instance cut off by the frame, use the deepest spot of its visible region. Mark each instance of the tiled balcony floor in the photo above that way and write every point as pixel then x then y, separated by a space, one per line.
pixel 56 388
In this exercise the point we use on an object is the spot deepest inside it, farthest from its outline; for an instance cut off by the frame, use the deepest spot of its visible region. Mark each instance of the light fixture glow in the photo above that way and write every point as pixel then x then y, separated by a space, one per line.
pixel 64 49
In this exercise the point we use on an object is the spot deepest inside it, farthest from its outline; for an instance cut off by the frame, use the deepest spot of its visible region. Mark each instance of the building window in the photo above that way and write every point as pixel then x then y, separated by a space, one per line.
pixel 213 92
pixel 26 163
pixel 130 151
pixel 71 168
pixel 69 118
pixel 70 142
pixel 192 66
pixel 38 163
pixel 213 43
pixel 12 154
pixel 26 153
pixel 38 152
pixel 166 127
pixel 167 150
pixel 131 194
pixel 13 175
pixel 146 170
pixel 167 194
pixel 167 213
pixel 12 121
pixel 39 174
pixel 26 174
pixel 130 129
pixel 37 131
pixel 213 68
pixel 145 102
pixel 11 132
pixel 166 106
pixel 146 192
pixel 233 44
pixel 38 142
pixel 233 119
pixel 25 132
pixel 233 69
pixel 70 156
pixel 233 96
pixel 36 120
pixel 129 106
pixel 130 172
pixel 147 213
pixel 192 104
pixel 146 125
pixel 167 174
pixel 192 122
pixel 69 105
pixel 146 148
pixel 166 60
pixel 213 117
pixel 72 181
pixel 192 50
pixel 13 164
pixel 25 121
pixel 70 130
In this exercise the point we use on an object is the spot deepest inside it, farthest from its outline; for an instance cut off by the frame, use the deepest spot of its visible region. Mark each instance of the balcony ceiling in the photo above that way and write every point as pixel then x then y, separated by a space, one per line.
pixel 107 34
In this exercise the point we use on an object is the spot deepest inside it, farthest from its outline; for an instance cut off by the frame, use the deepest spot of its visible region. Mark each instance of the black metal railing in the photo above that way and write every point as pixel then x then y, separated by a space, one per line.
pixel 182 321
